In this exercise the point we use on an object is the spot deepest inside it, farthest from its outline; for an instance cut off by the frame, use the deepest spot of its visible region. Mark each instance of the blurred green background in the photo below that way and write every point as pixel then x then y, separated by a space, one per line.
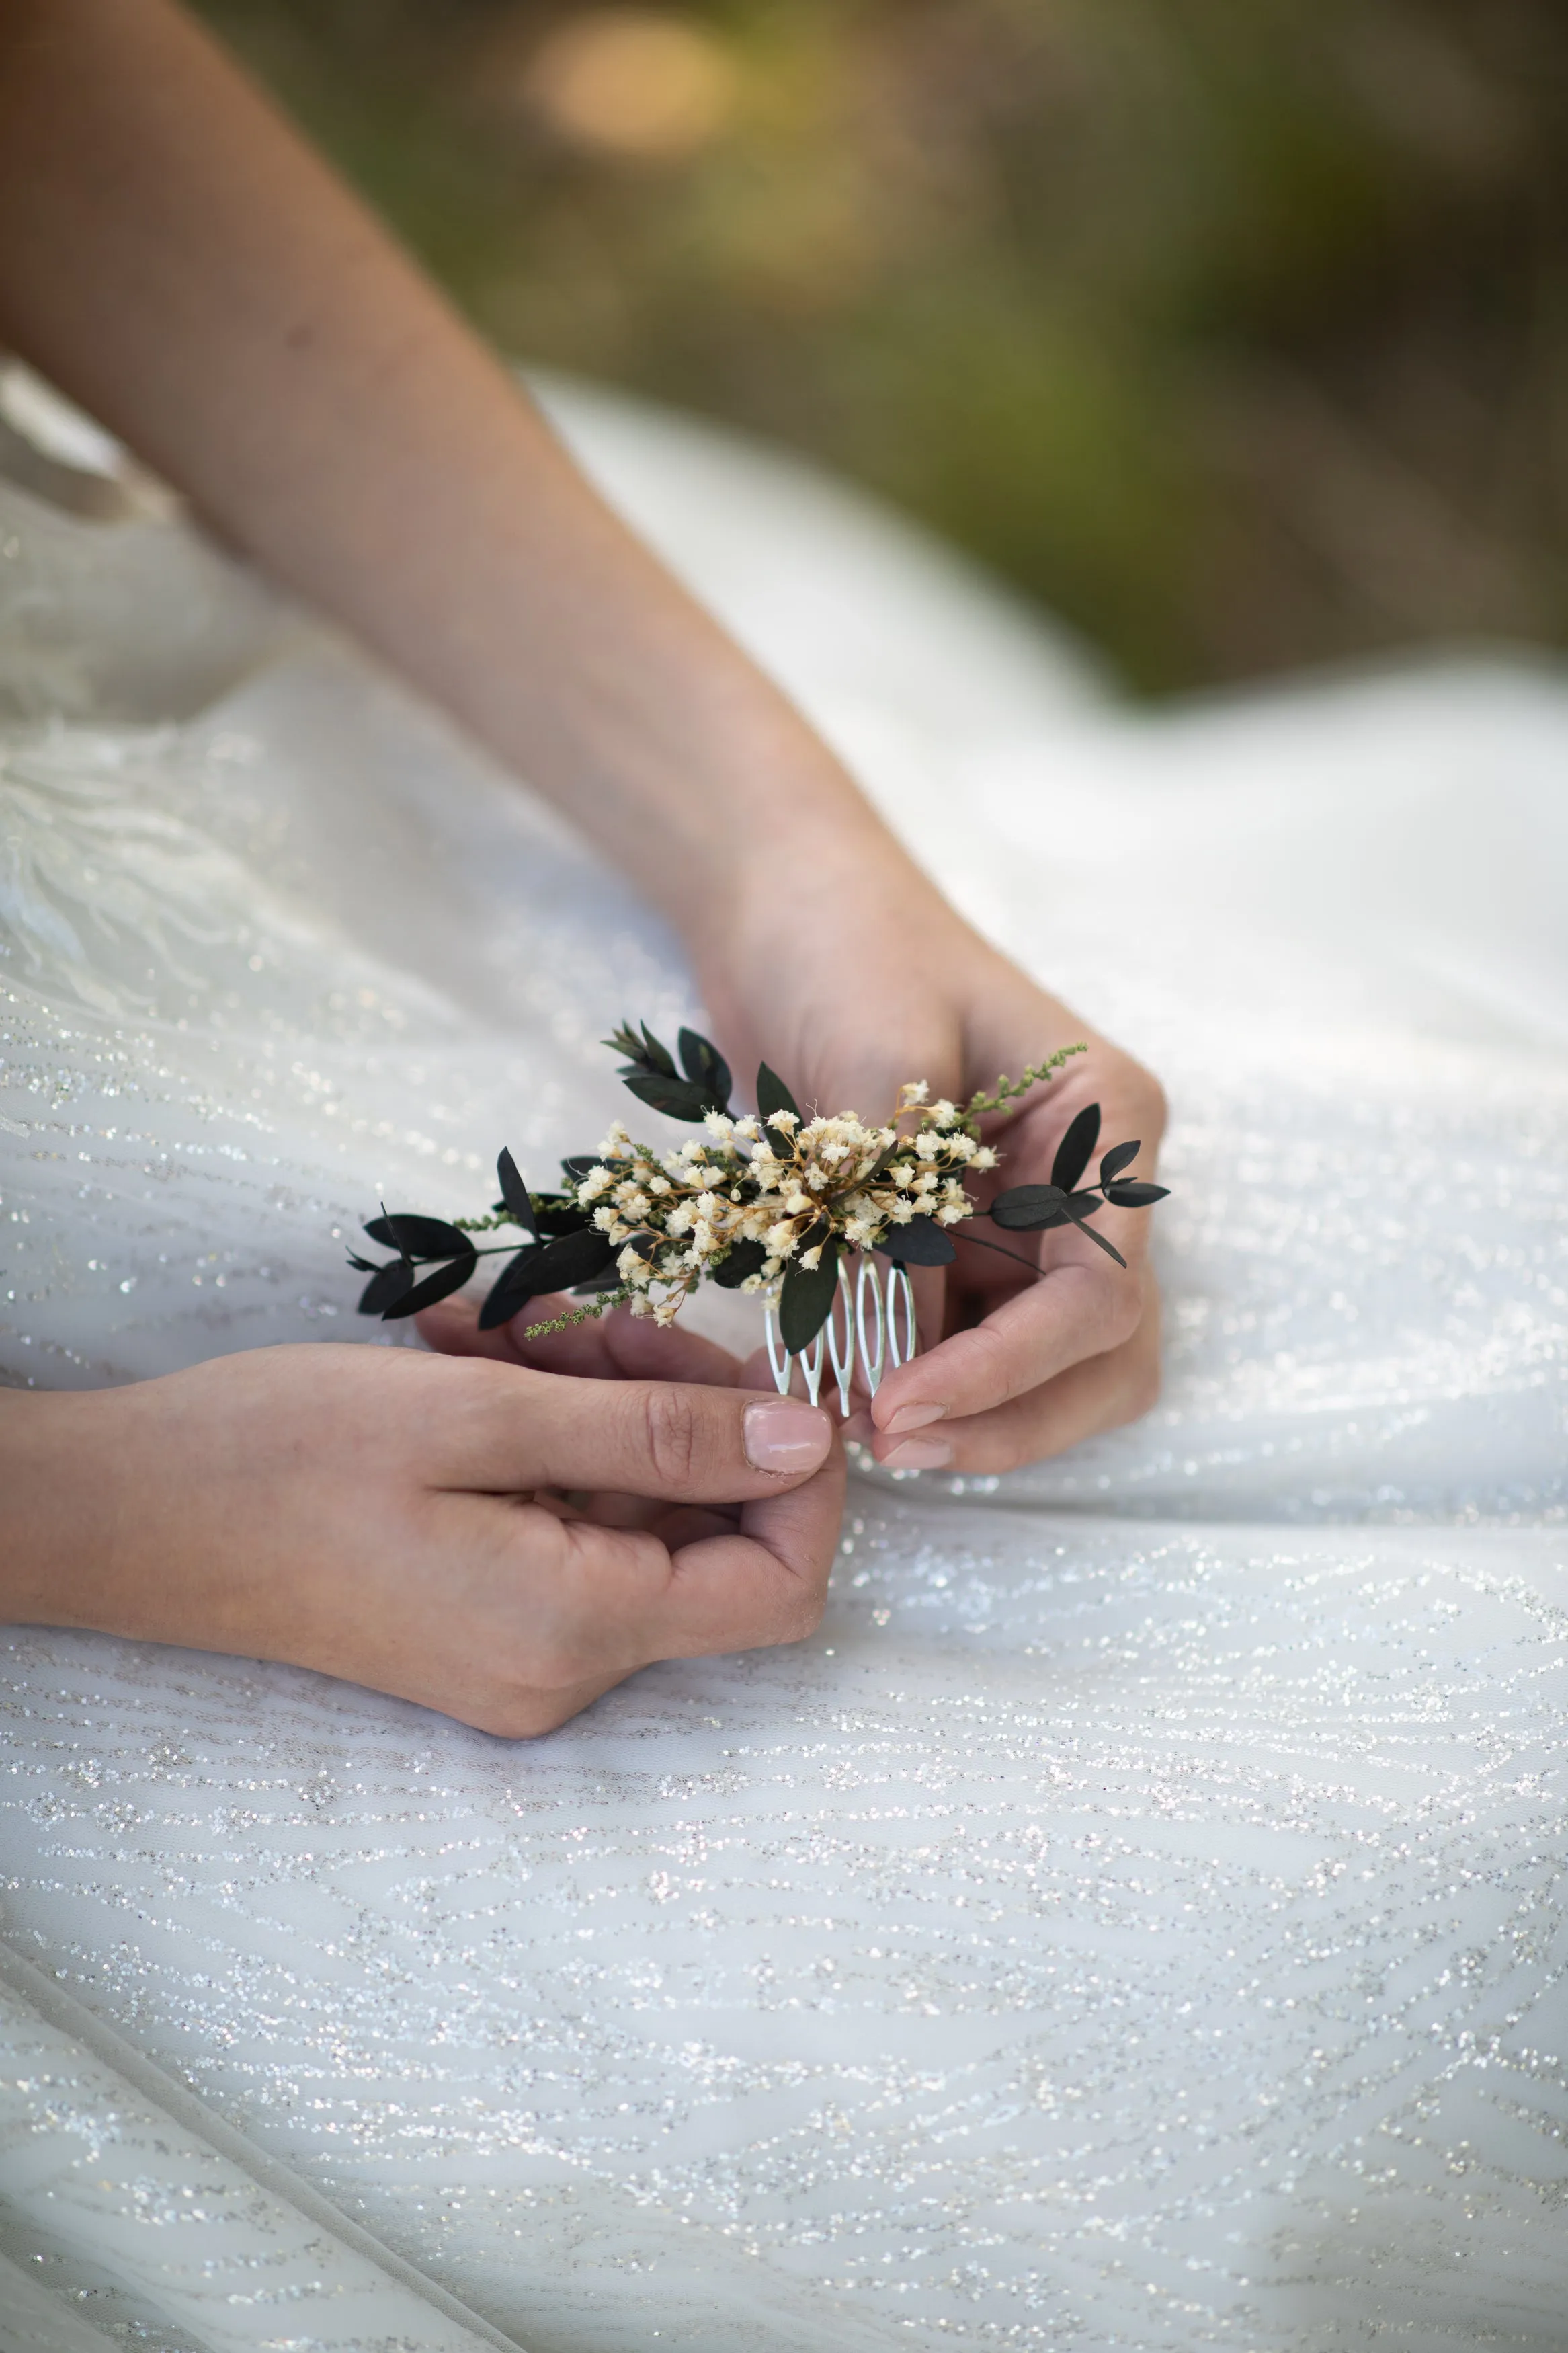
pixel 1235 330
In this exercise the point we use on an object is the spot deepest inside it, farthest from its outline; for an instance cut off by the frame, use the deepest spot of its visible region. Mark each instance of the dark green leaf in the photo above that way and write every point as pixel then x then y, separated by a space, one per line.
pixel 706 1067
pixel 679 1098
pixel 578 1165
pixel 1134 1194
pixel 364 1265
pixel 644 1053
pixel 514 1192
pixel 1115 1161
pixel 385 1287
pixel 773 1094
pixel 1080 1220
pixel 418 1237
pixel 1073 1151
pixel 646 1246
pixel 556 1213
pixel 1029 1207
pixel 741 1261
pixel 439 1285
pixel 556 1266
pixel 574 1258
pixel 513 1289
pixel 1086 1204
pixel 805 1300
pixel 609 1281
pixel 658 1055
pixel 920 1243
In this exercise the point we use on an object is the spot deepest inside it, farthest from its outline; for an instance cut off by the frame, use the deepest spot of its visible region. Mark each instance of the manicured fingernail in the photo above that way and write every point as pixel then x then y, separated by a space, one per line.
pixel 914 1417
pixel 782 1434
pixel 919 1454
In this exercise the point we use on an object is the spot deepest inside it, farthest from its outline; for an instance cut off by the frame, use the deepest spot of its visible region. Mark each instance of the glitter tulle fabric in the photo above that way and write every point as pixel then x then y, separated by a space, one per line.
pixel 1136 1919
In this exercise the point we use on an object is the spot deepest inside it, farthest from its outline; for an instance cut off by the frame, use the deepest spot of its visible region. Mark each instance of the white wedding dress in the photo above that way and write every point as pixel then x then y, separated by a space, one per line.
pixel 1137 1919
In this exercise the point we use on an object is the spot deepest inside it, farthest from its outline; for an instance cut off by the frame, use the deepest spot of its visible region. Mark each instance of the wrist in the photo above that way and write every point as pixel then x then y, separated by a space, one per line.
pixel 54 1476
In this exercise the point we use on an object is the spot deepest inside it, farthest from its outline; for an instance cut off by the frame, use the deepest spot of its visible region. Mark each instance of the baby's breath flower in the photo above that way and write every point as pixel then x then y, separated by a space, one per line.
pixel 812 1259
pixel 983 1157
pixel 914 1090
pixel 786 1120
pixel 616 1144
pixel 718 1123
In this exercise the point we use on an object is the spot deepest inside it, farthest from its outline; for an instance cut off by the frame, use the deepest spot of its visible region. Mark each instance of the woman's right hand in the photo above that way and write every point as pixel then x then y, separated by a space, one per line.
pixel 401 1519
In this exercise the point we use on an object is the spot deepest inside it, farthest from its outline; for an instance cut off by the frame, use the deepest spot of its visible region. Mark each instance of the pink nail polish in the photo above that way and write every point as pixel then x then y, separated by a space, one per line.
pixel 914 1417
pixel 783 1434
pixel 919 1454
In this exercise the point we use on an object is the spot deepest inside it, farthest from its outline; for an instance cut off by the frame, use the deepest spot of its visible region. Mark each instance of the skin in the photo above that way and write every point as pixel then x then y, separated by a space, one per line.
pixel 502 1543
pixel 181 264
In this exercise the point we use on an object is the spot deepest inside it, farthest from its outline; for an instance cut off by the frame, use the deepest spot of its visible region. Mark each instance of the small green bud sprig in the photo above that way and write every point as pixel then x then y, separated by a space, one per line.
pixel 765 1202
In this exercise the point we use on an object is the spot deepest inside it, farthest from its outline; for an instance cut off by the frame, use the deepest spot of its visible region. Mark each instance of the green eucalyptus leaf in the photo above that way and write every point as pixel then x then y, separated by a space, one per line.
pixel 418 1237
pixel 773 1094
pixel 807 1296
pixel 921 1242
pixel 439 1285
pixel 677 1098
pixel 741 1261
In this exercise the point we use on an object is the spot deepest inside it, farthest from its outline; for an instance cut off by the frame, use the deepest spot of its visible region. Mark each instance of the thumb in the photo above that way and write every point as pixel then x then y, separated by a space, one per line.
pixel 667 1439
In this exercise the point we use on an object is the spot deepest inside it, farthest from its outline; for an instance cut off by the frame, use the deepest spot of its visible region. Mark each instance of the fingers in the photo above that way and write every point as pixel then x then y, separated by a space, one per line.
pixel 595 1602
pixel 1099 1393
pixel 516 1430
pixel 1076 1311
pixel 765 1584
pixel 616 1346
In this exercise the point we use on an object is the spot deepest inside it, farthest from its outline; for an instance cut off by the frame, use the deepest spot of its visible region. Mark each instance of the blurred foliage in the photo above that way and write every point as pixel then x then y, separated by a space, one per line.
pixel 1233 330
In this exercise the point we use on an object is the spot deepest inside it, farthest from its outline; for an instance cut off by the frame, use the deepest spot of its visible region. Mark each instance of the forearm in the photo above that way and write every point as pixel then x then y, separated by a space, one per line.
pixel 56 1512
pixel 182 265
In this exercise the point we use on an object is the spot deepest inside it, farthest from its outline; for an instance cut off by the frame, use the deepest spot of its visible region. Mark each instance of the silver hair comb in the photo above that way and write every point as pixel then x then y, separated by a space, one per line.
pixel 863 1329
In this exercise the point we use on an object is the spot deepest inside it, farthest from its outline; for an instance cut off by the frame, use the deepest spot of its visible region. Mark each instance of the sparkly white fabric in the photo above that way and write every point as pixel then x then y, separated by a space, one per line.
pixel 1136 1919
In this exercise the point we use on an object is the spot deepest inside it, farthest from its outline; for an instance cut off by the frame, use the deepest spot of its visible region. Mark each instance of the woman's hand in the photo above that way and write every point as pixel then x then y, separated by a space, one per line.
pixel 847 990
pixel 403 1520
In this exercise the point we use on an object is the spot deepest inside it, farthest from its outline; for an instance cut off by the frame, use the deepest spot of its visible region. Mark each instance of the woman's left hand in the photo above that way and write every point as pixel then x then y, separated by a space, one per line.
pixel 850 993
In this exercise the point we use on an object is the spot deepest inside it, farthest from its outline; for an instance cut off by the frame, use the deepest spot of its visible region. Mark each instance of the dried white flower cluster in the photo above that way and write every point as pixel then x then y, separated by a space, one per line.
pixel 748 1196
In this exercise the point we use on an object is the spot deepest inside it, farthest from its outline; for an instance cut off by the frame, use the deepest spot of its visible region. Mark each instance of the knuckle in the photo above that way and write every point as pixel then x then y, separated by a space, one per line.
pixel 801 1614
pixel 1123 1314
pixel 1142 1394
pixel 671 1432
pixel 1153 1101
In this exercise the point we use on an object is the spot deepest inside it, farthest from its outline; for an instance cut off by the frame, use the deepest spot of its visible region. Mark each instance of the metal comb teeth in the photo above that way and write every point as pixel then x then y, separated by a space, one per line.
pixel 862 1329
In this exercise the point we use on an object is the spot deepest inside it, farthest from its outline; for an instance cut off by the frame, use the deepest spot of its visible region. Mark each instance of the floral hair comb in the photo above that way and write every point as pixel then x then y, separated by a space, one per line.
pixel 771 1203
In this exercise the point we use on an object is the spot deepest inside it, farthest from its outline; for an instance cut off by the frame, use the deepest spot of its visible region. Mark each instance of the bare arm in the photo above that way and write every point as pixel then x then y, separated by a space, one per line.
pixel 182 265
pixel 175 258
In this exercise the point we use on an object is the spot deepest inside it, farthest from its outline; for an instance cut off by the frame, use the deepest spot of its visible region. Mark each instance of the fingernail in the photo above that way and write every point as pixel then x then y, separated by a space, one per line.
pixel 919 1454
pixel 782 1434
pixel 914 1417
